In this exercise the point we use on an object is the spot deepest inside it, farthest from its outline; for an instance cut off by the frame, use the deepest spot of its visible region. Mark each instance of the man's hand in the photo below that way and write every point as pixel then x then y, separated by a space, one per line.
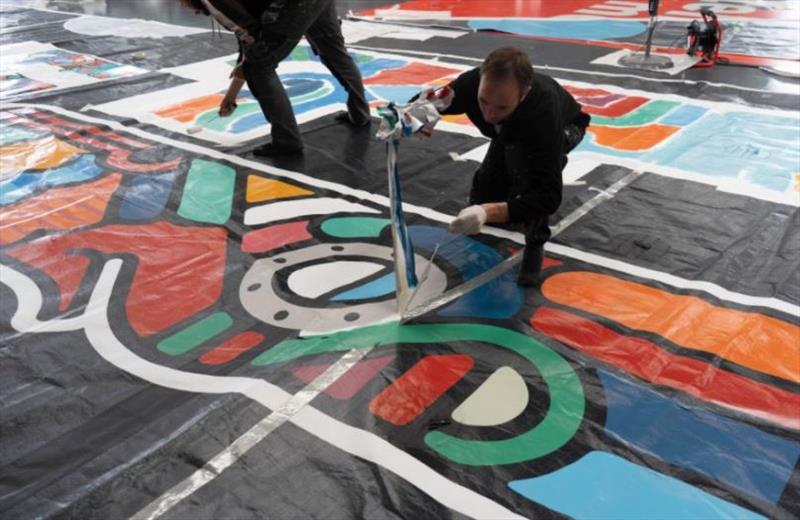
pixel 227 106
pixel 469 220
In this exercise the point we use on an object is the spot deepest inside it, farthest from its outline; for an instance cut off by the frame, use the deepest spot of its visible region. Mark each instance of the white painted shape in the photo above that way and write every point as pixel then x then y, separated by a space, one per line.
pixel 355 31
pixel 135 28
pixel 290 209
pixel 316 280
pixel 355 441
pixel 577 168
pixel 476 154
pixel 499 399
pixel 680 62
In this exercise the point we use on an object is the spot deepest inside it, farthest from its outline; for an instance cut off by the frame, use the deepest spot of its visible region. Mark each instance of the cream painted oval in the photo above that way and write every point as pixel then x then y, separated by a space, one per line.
pixel 501 398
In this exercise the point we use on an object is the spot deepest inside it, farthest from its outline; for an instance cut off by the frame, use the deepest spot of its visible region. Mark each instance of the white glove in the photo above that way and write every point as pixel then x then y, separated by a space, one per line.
pixel 469 220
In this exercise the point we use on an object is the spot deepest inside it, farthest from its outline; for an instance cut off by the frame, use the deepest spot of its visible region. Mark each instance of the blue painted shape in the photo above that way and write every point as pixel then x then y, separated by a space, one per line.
pixel 146 197
pixel 683 115
pixel 500 298
pixel 400 94
pixel 374 289
pixel 600 486
pixel 727 450
pixel 574 29
pixel 81 169
pixel 761 149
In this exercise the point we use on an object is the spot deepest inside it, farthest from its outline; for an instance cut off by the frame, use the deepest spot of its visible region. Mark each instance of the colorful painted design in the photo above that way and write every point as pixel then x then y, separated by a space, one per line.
pixel 82 64
pixel 234 270
pixel 14 84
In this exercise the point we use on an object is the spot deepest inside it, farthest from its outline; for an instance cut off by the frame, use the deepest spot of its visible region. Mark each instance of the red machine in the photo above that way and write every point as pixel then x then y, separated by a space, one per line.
pixel 704 38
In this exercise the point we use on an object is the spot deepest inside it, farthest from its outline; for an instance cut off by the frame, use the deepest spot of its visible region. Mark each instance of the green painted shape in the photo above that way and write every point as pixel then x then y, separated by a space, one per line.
pixel 195 334
pixel 220 124
pixel 567 400
pixel 301 53
pixel 641 116
pixel 355 227
pixel 208 192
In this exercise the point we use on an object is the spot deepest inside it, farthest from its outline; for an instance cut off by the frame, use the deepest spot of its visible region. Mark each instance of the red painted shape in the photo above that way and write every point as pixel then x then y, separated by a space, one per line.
pixel 94 130
pixel 620 108
pixel 656 365
pixel 551 262
pixel 351 382
pixel 411 74
pixel 273 237
pixel 232 348
pixel 414 391
pixel 179 270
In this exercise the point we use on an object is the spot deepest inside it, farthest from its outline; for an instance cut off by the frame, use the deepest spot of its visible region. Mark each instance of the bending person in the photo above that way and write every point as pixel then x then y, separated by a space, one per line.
pixel 268 31
pixel 533 123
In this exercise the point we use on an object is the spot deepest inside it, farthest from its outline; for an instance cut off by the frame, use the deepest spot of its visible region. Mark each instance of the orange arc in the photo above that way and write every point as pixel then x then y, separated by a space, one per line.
pixel 749 339
pixel 35 155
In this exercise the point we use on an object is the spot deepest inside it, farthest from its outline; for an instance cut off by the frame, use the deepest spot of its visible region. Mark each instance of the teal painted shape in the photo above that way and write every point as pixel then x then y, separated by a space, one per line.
pixel 194 335
pixel 374 289
pixel 208 192
pixel 354 227
pixel 645 114
pixel 601 486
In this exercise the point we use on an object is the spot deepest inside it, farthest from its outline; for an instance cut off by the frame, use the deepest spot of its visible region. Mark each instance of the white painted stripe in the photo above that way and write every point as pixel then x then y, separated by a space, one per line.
pixel 233 452
pixel 353 440
pixel 289 209
pixel 315 280
pixel 675 281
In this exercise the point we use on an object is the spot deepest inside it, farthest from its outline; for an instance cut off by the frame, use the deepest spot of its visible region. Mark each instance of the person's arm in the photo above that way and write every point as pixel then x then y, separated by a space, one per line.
pixel 228 104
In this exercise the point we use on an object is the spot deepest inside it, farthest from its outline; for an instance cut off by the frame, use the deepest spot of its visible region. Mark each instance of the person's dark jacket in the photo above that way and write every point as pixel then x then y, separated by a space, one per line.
pixel 530 146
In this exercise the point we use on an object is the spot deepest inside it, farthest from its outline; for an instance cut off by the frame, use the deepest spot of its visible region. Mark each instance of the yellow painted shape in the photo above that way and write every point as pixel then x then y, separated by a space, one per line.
pixel 260 189
pixel 749 339
pixel 35 155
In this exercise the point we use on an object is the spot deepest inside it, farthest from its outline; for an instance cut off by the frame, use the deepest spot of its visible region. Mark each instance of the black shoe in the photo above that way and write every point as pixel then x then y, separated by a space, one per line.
pixel 344 117
pixel 273 150
pixel 531 266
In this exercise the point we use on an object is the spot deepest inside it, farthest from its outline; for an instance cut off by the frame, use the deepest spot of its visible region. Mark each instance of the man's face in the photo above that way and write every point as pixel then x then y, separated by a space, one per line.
pixel 498 98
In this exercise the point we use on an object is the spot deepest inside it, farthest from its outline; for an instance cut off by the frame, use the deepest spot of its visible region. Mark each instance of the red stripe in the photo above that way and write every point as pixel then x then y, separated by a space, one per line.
pixel 273 237
pixel 233 348
pixel 413 392
pixel 652 363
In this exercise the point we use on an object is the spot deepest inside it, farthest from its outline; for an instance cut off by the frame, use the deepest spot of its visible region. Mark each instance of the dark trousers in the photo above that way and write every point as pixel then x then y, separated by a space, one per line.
pixel 318 21
pixel 493 183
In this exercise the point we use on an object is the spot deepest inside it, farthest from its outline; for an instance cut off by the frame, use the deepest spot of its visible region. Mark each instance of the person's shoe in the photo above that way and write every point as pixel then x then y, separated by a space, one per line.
pixel 273 150
pixel 344 117
pixel 531 267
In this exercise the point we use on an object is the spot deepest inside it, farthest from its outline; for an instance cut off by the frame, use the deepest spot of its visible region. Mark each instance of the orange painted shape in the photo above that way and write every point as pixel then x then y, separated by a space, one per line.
pixel 749 339
pixel 260 189
pixel 460 119
pixel 187 111
pixel 232 348
pixel 35 155
pixel 61 209
pixel 632 138
pixel 411 74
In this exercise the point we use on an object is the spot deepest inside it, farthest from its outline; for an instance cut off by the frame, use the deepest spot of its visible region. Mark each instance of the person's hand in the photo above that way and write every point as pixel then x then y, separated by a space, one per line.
pixel 227 106
pixel 469 220
pixel 439 97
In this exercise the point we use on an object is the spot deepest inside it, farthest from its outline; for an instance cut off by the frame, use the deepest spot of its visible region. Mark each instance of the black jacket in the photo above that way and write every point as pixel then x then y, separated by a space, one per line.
pixel 531 141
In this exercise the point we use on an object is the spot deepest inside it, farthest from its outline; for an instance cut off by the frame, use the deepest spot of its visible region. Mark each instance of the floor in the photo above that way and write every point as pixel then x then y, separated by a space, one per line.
pixel 190 331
